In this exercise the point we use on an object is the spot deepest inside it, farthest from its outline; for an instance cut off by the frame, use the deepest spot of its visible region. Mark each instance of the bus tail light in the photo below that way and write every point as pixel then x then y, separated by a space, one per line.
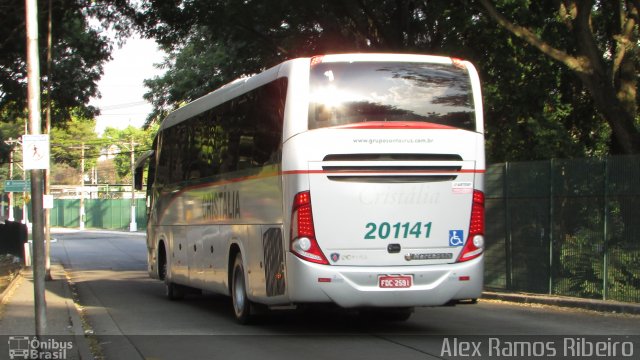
pixel 475 243
pixel 303 236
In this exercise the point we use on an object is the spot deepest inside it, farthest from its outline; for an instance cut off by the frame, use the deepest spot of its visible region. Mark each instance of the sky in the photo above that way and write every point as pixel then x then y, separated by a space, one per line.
pixel 121 86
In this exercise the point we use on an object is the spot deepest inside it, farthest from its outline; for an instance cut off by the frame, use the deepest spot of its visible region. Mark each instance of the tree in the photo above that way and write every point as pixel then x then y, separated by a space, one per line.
pixel 9 129
pixel 213 42
pixel 142 140
pixel 79 51
pixel 535 107
pixel 63 174
pixel 68 139
pixel 600 48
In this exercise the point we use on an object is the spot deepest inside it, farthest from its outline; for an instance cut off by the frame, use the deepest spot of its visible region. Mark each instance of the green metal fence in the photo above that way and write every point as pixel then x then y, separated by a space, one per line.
pixel 114 214
pixel 565 227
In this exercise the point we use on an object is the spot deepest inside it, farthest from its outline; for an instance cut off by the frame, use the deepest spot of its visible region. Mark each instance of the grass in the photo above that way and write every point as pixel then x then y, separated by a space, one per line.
pixel 9 268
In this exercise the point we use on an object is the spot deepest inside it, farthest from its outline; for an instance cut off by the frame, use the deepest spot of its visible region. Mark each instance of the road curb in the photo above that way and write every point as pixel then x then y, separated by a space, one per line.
pixel 562 301
pixel 84 348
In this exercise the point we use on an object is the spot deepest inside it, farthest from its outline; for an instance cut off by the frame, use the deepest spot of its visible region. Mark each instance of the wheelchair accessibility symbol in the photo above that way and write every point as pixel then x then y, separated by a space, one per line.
pixel 456 237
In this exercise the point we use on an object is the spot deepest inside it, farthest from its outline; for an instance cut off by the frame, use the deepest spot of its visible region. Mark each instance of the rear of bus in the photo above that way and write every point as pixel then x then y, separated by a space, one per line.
pixel 383 181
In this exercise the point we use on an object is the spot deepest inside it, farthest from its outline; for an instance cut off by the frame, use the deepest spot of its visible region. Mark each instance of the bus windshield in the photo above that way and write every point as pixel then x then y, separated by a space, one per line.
pixel 343 93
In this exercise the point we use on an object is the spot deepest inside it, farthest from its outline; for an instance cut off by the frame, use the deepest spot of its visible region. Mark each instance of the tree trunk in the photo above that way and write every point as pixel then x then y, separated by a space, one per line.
pixel 625 134
pixel 616 102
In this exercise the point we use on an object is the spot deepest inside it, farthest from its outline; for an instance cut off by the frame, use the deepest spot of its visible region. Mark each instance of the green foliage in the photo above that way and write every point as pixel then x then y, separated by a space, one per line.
pixel 64 174
pixel 623 275
pixel 198 68
pixel 9 129
pixel 535 107
pixel 596 44
pixel 142 141
pixel 568 224
pixel 582 260
pixel 68 139
pixel 582 263
pixel 213 42
pixel 79 52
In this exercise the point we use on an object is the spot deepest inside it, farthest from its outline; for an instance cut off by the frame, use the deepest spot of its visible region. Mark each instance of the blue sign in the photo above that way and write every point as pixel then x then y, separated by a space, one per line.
pixel 17 186
pixel 456 237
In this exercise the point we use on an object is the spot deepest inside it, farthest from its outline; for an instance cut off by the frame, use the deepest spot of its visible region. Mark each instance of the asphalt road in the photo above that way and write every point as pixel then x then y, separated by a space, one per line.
pixel 132 319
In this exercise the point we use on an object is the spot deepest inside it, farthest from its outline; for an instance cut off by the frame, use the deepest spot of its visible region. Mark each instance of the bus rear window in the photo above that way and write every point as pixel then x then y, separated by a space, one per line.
pixel 344 93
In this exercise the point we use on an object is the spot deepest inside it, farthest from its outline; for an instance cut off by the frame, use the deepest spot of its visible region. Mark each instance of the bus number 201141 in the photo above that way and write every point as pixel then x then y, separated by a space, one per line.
pixel 385 230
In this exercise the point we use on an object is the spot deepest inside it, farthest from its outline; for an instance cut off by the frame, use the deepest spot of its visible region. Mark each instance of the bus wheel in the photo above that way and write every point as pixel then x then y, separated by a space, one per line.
pixel 173 291
pixel 162 262
pixel 400 314
pixel 388 314
pixel 241 304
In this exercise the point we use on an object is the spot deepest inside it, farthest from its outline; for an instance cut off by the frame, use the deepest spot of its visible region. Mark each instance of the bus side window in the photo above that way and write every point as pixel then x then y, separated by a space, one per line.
pixel 162 154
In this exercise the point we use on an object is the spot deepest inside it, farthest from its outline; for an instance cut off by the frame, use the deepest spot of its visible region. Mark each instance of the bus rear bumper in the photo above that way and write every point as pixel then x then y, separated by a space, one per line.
pixel 350 286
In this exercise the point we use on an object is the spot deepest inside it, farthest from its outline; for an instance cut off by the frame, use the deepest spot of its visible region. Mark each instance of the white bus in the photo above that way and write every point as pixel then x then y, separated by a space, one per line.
pixel 352 179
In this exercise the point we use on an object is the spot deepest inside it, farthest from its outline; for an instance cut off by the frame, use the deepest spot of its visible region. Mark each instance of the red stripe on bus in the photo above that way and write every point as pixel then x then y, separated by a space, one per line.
pixel 314 172
pixel 370 171
pixel 174 195
pixel 394 125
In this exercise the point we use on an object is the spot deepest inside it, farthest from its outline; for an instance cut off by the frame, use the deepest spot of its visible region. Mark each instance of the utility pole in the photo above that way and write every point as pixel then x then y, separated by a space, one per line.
pixel 25 212
pixel 33 85
pixel 10 142
pixel 11 218
pixel 82 212
pixel 25 217
pixel 47 173
pixel 133 226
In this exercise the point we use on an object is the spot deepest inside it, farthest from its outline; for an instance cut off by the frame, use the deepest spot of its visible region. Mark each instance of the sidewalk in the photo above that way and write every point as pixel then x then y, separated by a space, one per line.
pixel 564 301
pixel 17 315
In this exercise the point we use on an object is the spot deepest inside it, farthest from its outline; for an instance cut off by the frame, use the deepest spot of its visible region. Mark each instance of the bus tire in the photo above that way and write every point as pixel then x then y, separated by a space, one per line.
pixel 400 314
pixel 162 262
pixel 241 303
pixel 388 314
pixel 173 291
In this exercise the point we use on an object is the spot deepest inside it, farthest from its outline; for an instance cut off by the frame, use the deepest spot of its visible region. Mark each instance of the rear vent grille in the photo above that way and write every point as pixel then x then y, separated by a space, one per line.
pixel 392 157
pixel 392 168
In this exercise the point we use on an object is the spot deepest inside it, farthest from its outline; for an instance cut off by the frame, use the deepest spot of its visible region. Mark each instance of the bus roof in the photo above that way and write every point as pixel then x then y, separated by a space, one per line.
pixel 246 84
pixel 219 96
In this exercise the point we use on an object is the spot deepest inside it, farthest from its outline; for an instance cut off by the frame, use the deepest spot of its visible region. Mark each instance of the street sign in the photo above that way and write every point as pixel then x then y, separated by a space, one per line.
pixel 47 201
pixel 35 151
pixel 17 186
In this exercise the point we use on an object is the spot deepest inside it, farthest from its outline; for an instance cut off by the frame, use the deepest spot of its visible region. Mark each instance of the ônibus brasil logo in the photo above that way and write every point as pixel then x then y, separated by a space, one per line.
pixel 25 347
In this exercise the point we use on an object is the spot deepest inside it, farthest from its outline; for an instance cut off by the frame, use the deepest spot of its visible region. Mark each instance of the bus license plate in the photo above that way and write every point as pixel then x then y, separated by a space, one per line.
pixel 402 281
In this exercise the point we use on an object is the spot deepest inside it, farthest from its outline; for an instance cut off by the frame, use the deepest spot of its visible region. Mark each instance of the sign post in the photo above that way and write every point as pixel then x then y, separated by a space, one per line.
pixel 36 158
pixel 35 150
pixel 17 186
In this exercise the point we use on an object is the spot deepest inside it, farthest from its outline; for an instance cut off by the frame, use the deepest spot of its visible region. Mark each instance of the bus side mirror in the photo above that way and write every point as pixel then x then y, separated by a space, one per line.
pixel 138 178
pixel 139 167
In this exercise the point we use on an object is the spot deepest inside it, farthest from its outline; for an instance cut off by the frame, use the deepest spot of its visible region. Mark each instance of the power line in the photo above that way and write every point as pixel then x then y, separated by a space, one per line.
pixel 123 114
pixel 71 158
pixel 122 106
